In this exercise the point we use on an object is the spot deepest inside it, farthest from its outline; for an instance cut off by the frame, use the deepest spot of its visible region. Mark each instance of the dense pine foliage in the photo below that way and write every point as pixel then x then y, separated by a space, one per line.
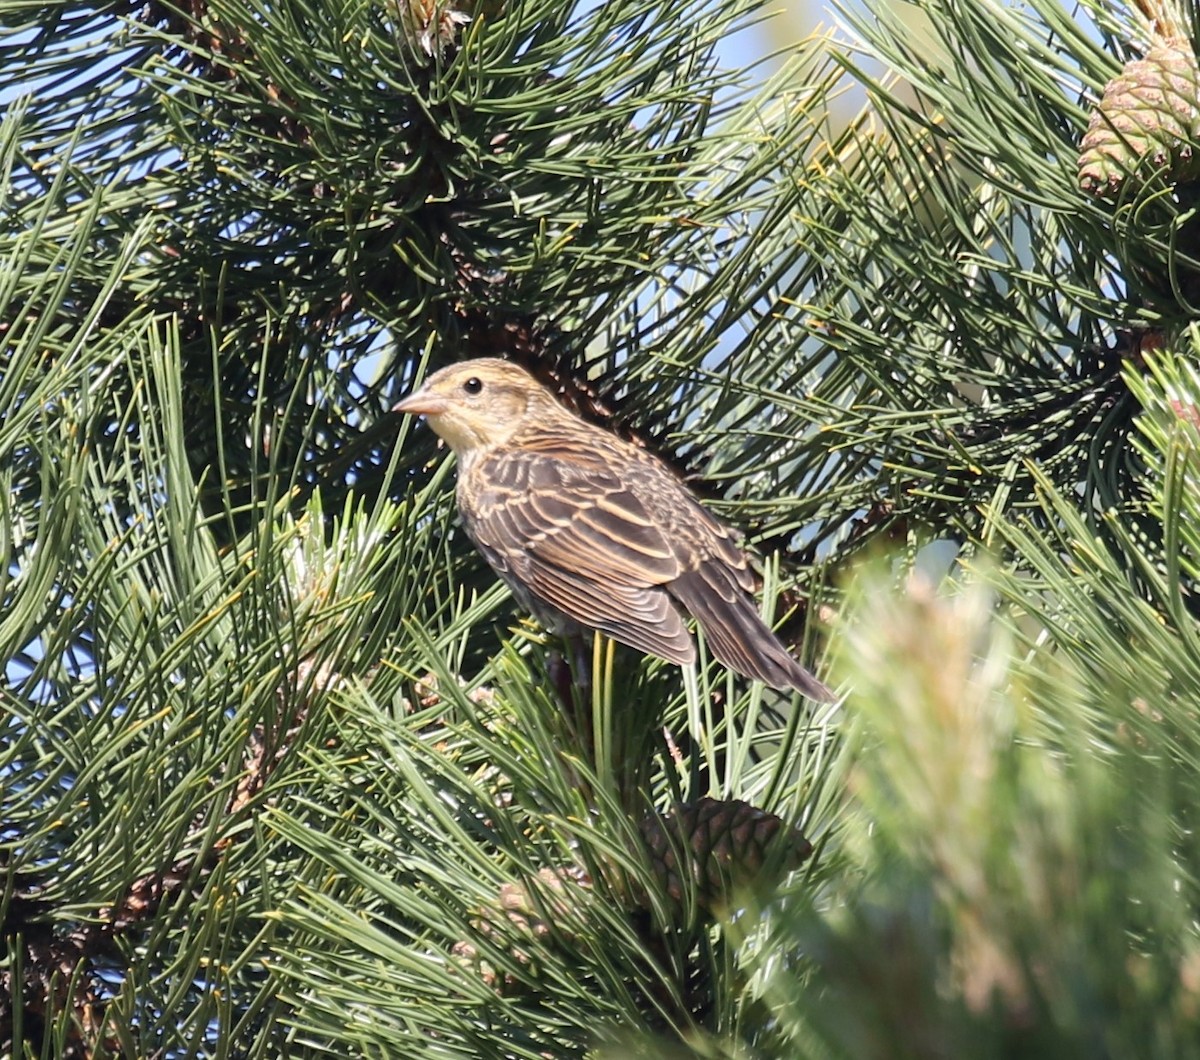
pixel 284 774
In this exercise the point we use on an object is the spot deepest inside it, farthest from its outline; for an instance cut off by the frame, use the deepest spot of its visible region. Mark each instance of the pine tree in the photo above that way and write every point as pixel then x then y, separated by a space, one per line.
pixel 284 774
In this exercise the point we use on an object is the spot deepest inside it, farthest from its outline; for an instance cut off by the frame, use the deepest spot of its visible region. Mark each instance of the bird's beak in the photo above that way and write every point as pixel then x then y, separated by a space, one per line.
pixel 421 403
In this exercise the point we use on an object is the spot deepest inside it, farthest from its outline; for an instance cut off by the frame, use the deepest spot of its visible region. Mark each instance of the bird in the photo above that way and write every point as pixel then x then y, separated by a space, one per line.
pixel 592 532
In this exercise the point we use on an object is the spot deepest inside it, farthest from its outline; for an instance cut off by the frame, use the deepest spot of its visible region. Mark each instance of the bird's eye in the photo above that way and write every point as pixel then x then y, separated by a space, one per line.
pixel 473 385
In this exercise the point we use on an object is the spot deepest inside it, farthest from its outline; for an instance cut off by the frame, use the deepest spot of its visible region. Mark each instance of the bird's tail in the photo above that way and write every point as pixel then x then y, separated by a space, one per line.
pixel 737 634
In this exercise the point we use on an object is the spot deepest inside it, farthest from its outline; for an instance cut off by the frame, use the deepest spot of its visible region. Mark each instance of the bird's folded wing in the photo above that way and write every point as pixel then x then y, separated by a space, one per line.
pixel 581 542
pixel 575 516
pixel 644 619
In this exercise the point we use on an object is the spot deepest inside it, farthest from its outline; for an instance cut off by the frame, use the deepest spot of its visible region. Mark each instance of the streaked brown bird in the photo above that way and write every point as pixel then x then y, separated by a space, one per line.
pixel 591 531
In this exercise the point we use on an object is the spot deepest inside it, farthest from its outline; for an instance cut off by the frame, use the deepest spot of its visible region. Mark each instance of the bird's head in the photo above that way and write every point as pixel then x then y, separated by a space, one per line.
pixel 478 404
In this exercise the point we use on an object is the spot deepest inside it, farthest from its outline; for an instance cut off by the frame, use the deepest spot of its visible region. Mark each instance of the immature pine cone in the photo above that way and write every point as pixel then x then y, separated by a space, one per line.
pixel 1149 116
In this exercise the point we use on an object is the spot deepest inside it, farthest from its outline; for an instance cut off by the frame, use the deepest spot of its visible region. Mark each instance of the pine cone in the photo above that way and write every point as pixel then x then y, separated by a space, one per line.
pixel 1149 115
pixel 431 27
pixel 724 845
pixel 523 914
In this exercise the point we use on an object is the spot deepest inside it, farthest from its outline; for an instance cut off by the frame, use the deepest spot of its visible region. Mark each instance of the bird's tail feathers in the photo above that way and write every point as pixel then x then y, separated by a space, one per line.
pixel 737 634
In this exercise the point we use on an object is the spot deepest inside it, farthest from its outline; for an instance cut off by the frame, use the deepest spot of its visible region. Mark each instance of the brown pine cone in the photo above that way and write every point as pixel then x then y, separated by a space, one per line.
pixel 722 846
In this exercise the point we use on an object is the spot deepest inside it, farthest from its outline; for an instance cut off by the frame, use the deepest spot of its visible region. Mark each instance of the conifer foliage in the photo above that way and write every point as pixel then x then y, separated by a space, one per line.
pixel 281 772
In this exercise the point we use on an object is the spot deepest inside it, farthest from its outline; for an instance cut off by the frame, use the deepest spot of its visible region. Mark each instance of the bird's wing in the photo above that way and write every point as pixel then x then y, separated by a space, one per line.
pixel 576 538
pixel 644 619
pixel 575 515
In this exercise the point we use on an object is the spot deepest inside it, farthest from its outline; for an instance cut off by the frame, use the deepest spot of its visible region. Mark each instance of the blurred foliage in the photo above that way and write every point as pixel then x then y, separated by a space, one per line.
pixel 1021 873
